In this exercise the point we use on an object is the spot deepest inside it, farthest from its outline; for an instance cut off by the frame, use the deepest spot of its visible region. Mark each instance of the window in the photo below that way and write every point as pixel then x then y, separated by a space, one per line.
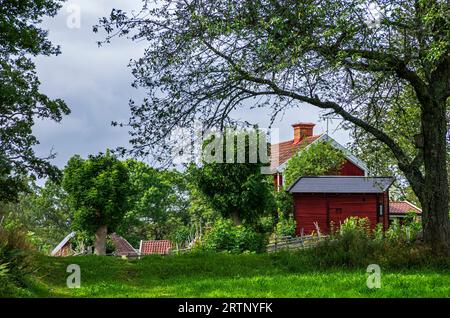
pixel 380 209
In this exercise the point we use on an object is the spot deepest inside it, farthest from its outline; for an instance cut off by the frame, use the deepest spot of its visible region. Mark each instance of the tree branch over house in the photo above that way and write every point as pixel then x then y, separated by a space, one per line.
pixel 208 58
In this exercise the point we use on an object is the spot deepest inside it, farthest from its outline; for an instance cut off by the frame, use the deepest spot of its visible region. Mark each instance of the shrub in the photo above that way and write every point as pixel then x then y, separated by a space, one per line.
pixel 284 203
pixel 285 226
pixel 406 232
pixel 16 255
pixel 347 245
pixel 355 245
pixel 224 236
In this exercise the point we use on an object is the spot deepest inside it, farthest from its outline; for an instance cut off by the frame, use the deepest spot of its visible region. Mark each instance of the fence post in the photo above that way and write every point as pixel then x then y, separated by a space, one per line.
pixel 318 229
pixel 302 238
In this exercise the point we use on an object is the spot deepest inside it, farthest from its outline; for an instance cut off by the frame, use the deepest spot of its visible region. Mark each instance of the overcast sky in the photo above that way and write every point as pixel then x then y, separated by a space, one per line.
pixel 96 84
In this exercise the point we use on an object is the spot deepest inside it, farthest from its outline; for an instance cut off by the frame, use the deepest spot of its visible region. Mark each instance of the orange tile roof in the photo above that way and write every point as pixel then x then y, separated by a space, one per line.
pixel 155 247
pixel 402 207
pixel 286 149
pixel 123 247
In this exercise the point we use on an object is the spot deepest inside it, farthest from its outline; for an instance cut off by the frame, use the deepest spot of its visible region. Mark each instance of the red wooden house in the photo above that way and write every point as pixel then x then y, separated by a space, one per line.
pixel 329 200
pixel 303 137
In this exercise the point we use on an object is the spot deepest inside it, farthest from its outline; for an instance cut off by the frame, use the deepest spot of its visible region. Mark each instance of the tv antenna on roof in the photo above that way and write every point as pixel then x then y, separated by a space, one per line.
pixel 329 118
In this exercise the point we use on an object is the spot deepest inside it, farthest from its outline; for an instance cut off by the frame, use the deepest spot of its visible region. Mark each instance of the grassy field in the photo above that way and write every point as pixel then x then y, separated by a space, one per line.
pixel 224 275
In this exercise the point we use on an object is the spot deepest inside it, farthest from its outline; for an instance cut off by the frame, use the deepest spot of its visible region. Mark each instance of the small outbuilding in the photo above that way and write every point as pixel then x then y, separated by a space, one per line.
pixel 64 248
pixel 401 209
pixel 123 247
pixel 327 201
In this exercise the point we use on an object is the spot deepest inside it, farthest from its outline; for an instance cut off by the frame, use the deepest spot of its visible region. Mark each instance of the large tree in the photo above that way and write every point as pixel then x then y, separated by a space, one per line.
pixel 158 202
pixel 205 58
pixel 231 183
pixel 98 189
pixel 21 102
pixel 402 122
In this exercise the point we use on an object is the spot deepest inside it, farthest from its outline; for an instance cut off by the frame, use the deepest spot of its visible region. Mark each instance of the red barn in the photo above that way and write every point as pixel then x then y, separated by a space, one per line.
pixel 303 137
pixel 328 200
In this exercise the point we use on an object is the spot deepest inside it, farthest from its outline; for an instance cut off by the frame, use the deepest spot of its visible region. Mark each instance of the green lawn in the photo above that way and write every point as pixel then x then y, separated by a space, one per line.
pixel 223 275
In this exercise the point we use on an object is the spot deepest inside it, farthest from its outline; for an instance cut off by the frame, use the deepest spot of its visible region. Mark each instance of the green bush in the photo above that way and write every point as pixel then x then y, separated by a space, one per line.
pixel 355 245
pixel 347 245
pixel 284 203
pixel 225 236
pixel 406 232
pixel 285 226
pixel 16 259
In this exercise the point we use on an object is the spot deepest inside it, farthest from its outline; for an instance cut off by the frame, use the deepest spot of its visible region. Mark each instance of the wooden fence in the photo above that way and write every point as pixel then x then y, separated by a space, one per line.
pixel 294 243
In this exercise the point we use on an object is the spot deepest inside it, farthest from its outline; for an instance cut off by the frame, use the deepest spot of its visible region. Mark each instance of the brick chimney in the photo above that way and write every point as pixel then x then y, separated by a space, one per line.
pixel 302 130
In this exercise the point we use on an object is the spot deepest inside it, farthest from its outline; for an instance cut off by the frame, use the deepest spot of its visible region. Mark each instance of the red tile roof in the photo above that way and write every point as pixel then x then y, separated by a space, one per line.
pixel 155 247
pixel 402 207
pixel 285 150
pixel 123 248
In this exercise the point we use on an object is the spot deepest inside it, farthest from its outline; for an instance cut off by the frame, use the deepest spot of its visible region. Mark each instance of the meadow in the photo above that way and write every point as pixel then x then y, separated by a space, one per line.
pixel 282 274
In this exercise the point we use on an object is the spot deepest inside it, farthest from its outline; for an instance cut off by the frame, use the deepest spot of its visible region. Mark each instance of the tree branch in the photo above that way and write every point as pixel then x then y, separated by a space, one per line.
pixel 403 160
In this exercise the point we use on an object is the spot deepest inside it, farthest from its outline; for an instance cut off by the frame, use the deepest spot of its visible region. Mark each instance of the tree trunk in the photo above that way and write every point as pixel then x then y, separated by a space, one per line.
pixel 100 240
pixel 235 218
pixel 434 195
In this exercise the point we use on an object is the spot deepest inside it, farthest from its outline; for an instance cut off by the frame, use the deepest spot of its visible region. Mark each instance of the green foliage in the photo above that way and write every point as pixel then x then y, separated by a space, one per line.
pixel 319 158
pixel 353 226
pixel 201 214
pixel 225 236
pixel 98 189
pixel 354 245
pixel 158 203
pixel 44 212
pixel 17 259
pixel 284 203
pixel 181 235
pixel 236 190
pixel 21 102
pixel 408 231
pixel 205 59
pixel 285 226
pixel 401 122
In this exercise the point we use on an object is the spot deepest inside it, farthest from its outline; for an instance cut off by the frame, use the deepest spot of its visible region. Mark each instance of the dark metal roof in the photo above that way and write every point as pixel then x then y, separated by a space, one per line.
pixel 340 184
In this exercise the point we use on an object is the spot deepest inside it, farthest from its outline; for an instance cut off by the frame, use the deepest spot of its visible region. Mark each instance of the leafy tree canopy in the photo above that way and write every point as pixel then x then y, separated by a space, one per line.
pixel 402 122
pixel 44 212
pixel 158 202
pixel 236 190
pixel 205 58
pixel 98 189
pixel 21 102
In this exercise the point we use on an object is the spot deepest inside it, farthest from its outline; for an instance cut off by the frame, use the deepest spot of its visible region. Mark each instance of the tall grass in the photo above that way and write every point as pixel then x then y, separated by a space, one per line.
pixel 17 260
pixel 354 244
